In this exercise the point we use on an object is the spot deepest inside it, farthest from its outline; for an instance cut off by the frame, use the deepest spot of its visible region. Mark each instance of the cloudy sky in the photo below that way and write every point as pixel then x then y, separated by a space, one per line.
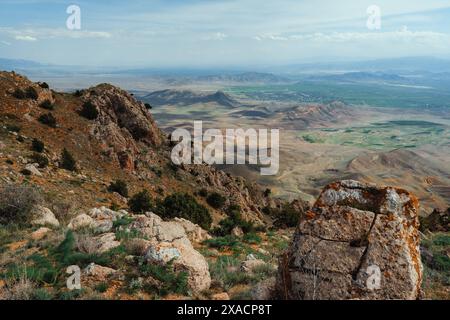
pixel 195 33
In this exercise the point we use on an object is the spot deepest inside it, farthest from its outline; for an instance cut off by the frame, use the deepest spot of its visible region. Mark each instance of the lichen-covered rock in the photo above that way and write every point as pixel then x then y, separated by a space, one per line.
pixel 154 228
pixel 359 241
pixel 44 217
pixel 81 221
pixel 194 232
pixel 98 273
pixel 264 290
pixel 104 213
pixel 105 242
pixel 169 242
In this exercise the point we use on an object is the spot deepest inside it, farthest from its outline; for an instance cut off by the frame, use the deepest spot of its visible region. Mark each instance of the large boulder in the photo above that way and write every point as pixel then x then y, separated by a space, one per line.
pixel 359 241
pixel 44 217
pixel 169 242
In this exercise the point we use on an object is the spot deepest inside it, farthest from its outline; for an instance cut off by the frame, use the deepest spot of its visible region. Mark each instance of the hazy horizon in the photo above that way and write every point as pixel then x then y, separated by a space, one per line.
pixel 220 34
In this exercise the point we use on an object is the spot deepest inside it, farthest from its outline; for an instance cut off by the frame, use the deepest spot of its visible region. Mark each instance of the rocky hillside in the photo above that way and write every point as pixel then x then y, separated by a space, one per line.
pixel 118 141
pixel 86 184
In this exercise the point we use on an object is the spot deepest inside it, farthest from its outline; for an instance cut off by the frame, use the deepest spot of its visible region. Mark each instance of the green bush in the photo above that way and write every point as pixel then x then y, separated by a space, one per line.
pixel 120 187
pixel 17 202
pixel 37 145
pixel 48 119
pixel 47 104
pixel 252 238
pixel 44 85
pixel 223 243
pixel 19 94
pixel 89 111
pixel 67 161
pixel 216 200
pixel 141 202
pixel 203 192
pixel 102 287
pixel 285 217
pixel 32 93
pixel 13 128
pixel 233 220
pixel 40 159
pixel 185 206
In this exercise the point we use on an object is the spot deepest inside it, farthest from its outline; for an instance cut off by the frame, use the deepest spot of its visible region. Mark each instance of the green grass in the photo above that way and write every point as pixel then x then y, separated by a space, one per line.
pixel 170 281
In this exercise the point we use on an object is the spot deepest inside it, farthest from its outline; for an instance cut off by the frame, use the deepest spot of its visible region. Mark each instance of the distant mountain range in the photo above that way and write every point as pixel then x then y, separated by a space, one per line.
pixel 188 97
pixel 361 76
pixel 253 77
pixel 393 65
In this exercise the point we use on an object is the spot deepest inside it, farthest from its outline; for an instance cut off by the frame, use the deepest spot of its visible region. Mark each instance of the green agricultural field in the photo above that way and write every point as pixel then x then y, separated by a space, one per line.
pixel 373 94
pixel 382 135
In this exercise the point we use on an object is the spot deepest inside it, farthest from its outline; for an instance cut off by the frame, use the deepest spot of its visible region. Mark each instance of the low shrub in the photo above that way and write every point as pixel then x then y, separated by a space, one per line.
pixel 40 159
pixel 223 243
pixel 44 85
pixel 13 128
pixel 19 94
pixel 141 202
pixel 285 217
pixel 48 119
pixel 37 145
pixel 89 111
pixel 17 202
pixel 47 105
pixel 120 187
pixel 32 93
pixel 233 220
pixel 203 193
pixel 183 205
pixel 67 161
pixel 216 200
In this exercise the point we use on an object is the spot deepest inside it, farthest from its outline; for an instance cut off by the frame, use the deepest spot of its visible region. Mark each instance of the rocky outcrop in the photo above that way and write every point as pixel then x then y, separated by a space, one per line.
pixel 170 243
pixel 122 123
pixel 358 242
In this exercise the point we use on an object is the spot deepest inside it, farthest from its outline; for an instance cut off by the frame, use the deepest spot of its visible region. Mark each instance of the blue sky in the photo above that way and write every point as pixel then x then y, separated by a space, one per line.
pixel 205 33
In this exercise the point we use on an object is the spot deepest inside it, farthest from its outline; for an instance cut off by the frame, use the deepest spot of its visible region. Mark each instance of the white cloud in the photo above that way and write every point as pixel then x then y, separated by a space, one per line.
pixel 49 33
pixel 404 34
pixel 6 43
pixel 25 38
pixel 218 36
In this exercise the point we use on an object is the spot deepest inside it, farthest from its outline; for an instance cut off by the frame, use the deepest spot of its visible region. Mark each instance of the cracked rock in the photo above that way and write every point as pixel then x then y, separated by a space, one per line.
pixel 359 241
